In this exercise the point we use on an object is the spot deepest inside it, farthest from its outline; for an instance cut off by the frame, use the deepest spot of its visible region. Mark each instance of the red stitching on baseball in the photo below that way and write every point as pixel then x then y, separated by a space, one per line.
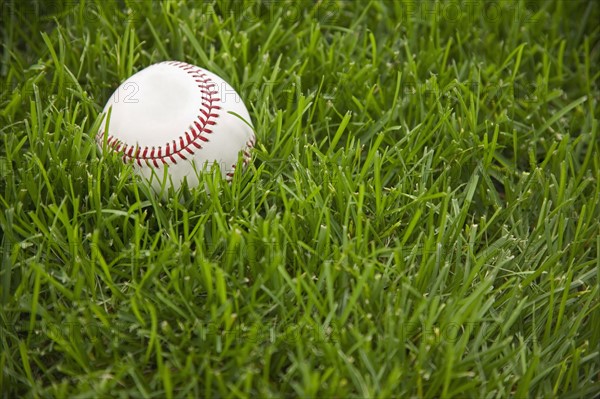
pixel 247 157
pixel 186 143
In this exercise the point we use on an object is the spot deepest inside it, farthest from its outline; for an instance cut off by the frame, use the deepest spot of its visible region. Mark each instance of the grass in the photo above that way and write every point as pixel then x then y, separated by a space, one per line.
pixel 421 217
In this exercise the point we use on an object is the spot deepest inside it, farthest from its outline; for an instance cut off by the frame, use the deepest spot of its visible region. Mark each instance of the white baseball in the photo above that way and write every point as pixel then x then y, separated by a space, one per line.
pixel 172 120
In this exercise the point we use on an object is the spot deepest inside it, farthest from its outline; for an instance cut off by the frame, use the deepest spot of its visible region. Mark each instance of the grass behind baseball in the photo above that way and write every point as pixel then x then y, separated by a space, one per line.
pixel 421 218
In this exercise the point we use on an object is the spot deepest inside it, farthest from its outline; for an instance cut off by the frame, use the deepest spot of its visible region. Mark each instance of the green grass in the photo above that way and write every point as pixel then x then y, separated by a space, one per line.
pixel 421 217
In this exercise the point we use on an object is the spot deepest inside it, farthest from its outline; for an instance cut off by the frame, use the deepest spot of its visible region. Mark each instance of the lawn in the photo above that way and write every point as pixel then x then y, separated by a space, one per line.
pixel 421 217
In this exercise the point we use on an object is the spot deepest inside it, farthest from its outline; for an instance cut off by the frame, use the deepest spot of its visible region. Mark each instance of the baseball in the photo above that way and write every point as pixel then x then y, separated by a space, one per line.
pixel 173 120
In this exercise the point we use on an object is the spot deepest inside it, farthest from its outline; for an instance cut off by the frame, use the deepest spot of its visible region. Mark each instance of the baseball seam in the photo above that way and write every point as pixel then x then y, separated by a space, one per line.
pixel 247 156
pixel 191 140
